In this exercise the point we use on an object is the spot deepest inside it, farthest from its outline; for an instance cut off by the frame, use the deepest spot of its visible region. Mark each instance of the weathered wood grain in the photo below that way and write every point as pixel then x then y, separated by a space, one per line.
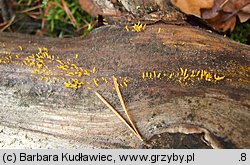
pixel 160 106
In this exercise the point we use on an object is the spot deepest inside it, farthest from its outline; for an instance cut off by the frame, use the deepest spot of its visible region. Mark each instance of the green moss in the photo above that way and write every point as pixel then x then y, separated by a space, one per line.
pixel 241 33
pixel 58 23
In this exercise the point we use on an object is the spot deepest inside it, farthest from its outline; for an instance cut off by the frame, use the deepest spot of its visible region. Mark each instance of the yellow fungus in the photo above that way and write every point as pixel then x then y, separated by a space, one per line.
pixel 74 80
pixel 127 29
pixel 79 74
pixel 70 74
pixel 24 63
pixel 96 82
pixel 86 72
pixel 171 75
pixel 62 67
pixel 39 69
pixel 6 52
pixel 46 55
pixel 105 80
pixel 56 79
pixel 45 49
pixel 125 83
pixel 32 63
pixel 150 75
pixel 218 78
pixel 143 75
pixel 208 77
pixel 180 80
pixel 138 27
pixel 39 65
pixel 74 66
pixel 104 21
pixel 68 61
pixel 159 30
pixel 34 71
pixel 159 75
pixel 60 62
pixel 185 77
pixel 192 74
pixel 44 78
pixel 203 74
pixel 183 72
pixel 126 79
pixel 198 72
pixel 40 50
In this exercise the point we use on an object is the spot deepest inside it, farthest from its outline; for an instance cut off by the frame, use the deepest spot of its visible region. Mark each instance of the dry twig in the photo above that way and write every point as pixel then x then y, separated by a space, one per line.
pixel 117 114
pixel 124 107
pixel 133 127
pixel 4 26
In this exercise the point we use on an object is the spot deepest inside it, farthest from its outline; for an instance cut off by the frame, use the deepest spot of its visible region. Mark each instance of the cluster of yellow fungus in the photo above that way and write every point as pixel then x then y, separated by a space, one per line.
pixel 184 75
pixel 104 21
pixel 47 67
pixel 6 59
pixel 136 27
pixel 52 69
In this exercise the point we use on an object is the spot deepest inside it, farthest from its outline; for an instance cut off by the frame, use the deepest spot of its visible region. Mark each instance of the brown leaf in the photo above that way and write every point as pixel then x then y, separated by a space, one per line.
pixel 222 16
pixel 90 7
pixel 95 8
pixel 212 12
pixel 193 7
pixel 220 25
pixel 244 14
pixel 235 5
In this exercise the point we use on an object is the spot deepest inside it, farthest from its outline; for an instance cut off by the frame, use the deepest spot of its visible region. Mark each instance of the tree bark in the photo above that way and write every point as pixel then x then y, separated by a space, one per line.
pixel 175 80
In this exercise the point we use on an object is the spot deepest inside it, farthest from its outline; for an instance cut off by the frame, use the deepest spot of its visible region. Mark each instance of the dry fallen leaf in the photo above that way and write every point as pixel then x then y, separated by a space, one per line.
pixel 95 7
pixel 90 7
pixel 210 13
pixel 234 5
pixel 220 14
pixel 244 14
pixel 219 24
pixel 224 12
pixel 193 7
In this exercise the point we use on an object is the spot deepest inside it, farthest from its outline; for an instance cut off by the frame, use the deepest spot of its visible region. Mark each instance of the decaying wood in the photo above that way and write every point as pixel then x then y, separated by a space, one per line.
pixel 164 98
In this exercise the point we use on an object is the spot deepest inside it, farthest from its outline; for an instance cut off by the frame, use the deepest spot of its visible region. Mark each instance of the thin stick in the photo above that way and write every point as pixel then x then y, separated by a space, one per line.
pixel 7 24
pixel 117 114
pixel 222 5
pixel 125 108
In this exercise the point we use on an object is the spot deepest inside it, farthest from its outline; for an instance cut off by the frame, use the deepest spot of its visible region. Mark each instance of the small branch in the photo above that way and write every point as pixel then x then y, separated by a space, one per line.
pixel 117 114
pixel 125 108
pixel 7 24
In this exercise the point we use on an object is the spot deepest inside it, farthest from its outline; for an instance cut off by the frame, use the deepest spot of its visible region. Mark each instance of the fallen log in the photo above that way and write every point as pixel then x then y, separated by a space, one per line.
pixel 183 87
